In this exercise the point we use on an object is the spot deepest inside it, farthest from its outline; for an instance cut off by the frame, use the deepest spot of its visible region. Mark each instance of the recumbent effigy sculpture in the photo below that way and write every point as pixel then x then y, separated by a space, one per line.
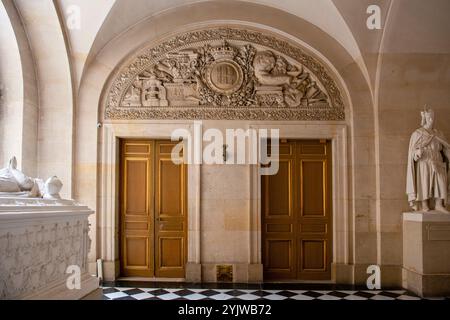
pixel 14 183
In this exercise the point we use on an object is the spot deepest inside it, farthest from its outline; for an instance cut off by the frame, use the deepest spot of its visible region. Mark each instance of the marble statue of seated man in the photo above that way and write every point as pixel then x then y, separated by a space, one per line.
pixel 14 183
pixel 428 171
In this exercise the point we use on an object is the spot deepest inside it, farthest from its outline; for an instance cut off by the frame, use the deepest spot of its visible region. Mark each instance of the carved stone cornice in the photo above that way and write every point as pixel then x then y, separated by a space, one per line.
pixel 224 73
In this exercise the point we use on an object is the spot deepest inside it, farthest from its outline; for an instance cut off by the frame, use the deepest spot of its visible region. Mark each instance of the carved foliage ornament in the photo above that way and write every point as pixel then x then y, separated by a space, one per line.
pixel 224 73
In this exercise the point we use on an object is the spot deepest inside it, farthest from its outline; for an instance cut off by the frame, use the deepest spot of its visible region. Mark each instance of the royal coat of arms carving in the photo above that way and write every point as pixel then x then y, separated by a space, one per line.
pixel 224 73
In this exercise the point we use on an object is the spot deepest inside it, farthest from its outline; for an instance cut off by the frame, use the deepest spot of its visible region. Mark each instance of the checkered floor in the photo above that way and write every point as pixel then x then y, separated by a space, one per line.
pixel 123 293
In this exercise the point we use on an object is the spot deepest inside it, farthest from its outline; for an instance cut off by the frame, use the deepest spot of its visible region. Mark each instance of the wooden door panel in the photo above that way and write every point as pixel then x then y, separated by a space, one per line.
pixel 141 148
pixel 313 253
pixel 171 250
pixel 136 225
pixel 169 189
pixel 296 213
pixel 315 216
pixel 170 225
pixel 153 210
pixel 136 218
pixel 136 249
pixel 278 191
pixel 279 244
pixel 278 227
pixel 313 228
pixel 170 213
pixel 279 256
pixel 314 149
pixel 312 187
pixel 136 186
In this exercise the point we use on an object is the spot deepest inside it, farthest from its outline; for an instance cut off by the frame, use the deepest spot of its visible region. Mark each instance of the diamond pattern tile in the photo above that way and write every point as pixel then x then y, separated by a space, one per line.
pixel 122 293
pixel 158 292
pixel 133 292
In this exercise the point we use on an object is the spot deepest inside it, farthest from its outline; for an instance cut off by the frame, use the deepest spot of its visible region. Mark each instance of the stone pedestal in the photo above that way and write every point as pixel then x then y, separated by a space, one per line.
pixel 426 253
pixel 39 240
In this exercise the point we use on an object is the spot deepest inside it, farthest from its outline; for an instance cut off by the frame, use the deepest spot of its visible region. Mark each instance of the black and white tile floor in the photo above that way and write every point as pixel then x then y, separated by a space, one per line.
pixel 131 293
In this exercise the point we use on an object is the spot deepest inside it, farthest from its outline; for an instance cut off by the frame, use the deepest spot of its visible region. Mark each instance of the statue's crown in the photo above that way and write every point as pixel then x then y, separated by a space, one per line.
pixel 426 110
pixel 225 51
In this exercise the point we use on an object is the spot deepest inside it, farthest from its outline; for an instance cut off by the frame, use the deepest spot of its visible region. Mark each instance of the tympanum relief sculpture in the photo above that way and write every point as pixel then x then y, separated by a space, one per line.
pixel 224 73
pixel 428 173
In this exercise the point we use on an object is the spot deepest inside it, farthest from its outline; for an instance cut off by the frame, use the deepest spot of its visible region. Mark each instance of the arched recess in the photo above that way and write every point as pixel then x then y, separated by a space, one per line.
pixel 89 164
pixel 408 51
pixel 123 16
pixel 45 36
pixel 19 97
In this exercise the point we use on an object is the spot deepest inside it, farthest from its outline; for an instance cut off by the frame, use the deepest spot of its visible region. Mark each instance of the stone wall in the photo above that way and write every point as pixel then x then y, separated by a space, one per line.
pixel 385 77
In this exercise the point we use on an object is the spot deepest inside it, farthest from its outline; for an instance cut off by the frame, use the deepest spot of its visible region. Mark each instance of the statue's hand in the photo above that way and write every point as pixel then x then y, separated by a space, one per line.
pixel 417 154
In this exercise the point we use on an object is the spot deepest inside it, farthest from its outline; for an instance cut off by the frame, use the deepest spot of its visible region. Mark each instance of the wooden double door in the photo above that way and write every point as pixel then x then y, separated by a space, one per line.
pixel 153 217
pixel 296 213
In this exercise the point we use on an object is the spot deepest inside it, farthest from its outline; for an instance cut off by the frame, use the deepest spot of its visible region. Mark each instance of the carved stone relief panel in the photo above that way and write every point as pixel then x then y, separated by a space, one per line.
pixel 224 73
pixel 35 256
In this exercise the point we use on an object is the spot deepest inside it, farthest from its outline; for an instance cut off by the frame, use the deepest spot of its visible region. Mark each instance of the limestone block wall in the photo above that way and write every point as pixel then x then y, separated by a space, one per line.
pixel 53 120
pixel 225 217
pixel 19 93
pixel 386 77
pixel 414 71
pixel 11 91
pixel 359 155
pixel 230 204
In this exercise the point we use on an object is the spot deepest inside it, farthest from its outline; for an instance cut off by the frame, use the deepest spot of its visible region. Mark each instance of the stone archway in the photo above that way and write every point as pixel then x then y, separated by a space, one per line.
pixel 223 73
pixel 338 63
pixel 19 93
pixel 175 81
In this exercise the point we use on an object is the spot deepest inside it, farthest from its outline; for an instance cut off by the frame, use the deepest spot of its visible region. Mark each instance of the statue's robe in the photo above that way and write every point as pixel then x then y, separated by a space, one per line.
pixel 428 176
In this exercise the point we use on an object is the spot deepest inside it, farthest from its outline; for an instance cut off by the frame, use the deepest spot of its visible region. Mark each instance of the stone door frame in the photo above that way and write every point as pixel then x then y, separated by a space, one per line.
pixel 337 133
pixel 108 210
